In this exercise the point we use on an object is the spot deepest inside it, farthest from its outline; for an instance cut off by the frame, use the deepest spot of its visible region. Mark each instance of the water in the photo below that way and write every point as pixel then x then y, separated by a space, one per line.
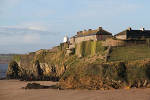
pixel 3 69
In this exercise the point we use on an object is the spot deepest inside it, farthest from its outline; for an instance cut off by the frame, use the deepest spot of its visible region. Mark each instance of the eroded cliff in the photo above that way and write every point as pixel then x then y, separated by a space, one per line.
pixel 89 70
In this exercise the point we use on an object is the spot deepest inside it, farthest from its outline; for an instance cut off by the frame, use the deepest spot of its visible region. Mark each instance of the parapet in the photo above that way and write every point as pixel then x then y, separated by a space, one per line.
pixel 129 29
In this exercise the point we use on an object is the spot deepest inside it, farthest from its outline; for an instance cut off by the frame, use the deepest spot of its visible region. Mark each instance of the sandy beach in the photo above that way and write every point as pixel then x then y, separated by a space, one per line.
pixel 12 90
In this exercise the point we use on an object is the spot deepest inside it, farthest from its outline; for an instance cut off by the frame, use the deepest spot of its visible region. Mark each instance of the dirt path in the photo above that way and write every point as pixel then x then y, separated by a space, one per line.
pixel 11 90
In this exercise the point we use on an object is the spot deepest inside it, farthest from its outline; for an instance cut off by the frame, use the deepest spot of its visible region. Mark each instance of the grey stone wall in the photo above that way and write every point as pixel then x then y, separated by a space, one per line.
pixel 122 37
pixel 76 40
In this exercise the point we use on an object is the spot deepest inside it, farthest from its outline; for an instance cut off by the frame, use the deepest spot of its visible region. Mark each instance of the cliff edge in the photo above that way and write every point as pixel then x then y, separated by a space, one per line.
pixel 90 66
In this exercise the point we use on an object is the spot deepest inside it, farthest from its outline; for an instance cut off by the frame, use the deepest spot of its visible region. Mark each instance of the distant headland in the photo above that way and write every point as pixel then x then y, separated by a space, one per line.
pixel 6 58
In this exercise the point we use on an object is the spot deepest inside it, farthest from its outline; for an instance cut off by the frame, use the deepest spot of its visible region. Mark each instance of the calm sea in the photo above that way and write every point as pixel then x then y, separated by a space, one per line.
pixel 3 69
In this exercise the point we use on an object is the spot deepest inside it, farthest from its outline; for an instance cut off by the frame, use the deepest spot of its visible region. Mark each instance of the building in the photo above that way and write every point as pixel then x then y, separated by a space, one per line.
pixel 129 34
pixel 86 35
pixel 66 39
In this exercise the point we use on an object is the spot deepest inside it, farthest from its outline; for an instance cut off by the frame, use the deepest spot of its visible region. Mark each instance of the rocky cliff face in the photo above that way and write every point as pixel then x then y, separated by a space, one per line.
pixel 135 74
pixel 40 65
pixel 88 71
pixel 52 64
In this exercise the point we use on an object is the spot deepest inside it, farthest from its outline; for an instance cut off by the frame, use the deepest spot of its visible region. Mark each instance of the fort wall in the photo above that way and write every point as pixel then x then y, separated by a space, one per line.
pixel 113 42
pixel 123 37
pixel 117 42
pixel 85 38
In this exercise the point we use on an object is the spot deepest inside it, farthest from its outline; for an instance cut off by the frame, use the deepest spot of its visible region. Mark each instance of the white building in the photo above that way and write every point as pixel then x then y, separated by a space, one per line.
pixel 66 39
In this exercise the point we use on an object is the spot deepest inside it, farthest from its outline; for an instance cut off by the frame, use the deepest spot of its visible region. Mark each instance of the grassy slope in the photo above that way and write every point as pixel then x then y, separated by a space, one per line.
pixel 130 53
pixel 128 70
pixel 90 71
pixel 57 59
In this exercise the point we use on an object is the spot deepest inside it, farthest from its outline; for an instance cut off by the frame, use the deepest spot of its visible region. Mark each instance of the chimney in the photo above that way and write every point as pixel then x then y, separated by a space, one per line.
pixel 90 29
pixel 129 28
pixel 142 29
pixel 81 31
pixel 84 30
pixel 100 28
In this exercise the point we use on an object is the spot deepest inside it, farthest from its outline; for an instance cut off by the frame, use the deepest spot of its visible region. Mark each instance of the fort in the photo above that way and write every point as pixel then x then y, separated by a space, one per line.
pixel 124 38
pixel 90 58
pixel 91 35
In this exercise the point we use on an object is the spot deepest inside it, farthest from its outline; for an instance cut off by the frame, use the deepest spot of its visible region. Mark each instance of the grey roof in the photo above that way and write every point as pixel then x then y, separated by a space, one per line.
pixel 97 32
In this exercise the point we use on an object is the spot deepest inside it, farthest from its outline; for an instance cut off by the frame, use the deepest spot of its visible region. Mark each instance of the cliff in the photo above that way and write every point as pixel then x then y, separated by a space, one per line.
pixel 90 66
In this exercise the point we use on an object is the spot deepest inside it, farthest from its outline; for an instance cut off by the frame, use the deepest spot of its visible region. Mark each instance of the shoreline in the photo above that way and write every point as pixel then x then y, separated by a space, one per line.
pixel 12 90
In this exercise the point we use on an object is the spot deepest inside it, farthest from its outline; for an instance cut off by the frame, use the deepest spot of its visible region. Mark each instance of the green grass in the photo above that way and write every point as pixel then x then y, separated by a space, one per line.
pixel 130 53
pixel 89 48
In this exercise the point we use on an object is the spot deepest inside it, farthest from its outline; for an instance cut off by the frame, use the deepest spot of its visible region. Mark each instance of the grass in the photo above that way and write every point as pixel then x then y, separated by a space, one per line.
pixel 90 70
pixel 89 48
pixel 128 53
pixel 132 74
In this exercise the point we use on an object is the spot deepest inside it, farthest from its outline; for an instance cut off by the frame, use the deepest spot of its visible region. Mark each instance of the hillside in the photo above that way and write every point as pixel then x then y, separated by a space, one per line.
pixel 128 53
pixel 86 67
pixel 6 58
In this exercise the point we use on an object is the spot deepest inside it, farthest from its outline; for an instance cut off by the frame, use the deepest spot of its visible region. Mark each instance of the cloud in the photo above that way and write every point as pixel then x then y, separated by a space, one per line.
pixel 8 4
pixel 39 26
pixel 31 38
pixel 35 26
pixel 107 8
pixel 19 36
pixel 20 39
pixel 14 40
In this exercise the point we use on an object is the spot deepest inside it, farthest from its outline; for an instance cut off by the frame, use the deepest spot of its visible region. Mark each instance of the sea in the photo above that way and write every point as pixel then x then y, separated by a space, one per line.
pixel 3 69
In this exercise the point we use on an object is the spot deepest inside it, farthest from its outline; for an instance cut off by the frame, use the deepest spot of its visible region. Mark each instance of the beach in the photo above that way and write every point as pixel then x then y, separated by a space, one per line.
pixel 12 90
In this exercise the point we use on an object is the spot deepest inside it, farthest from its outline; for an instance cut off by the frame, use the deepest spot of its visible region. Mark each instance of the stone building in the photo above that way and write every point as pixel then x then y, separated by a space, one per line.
pixel 129 34
pixel 87 35
pixel 95 35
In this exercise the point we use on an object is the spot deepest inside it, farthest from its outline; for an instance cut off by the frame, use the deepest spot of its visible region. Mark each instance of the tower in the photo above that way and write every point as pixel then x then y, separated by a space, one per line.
pixel 66 39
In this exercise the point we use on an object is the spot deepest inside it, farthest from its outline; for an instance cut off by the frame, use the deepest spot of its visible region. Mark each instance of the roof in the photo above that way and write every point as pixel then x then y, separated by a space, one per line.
pixel 103 32
pixel 134 32
pixel 94 32
pixel 122 33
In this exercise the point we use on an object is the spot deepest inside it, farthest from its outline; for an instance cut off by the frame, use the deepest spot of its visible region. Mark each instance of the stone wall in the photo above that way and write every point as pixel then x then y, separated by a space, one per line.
pixel 122 37
pixel 113 42
pixel 118 42
pixel 103 37
pixel 85 38
pixel 76 40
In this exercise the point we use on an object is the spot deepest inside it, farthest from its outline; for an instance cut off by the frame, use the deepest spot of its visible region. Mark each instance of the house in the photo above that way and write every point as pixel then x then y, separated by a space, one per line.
pixel 129 34
pixel 86 35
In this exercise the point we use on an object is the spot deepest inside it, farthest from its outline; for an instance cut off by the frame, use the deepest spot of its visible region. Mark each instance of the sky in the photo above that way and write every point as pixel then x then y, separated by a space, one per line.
pixel 29 25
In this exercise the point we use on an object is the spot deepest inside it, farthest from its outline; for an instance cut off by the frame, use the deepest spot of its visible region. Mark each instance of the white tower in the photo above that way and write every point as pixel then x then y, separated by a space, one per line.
pixel 66 39
pixel 142 29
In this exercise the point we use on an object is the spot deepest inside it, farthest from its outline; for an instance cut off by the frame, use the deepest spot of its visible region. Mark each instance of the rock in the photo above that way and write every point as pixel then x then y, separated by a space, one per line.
pixel 38 86
pixel 145 83
pixel 138 84
pixel 148 86
pixel 13 70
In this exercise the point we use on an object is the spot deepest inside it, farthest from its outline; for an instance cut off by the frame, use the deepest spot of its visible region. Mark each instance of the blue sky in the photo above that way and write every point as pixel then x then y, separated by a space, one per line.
pixel 57 18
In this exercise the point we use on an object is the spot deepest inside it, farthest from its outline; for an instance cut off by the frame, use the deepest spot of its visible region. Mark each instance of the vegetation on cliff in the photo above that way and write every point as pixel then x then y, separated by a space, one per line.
pixel 108 76
pixel 86 67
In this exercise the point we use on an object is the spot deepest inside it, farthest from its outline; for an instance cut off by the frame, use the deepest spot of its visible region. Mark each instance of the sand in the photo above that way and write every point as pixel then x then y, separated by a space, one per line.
pixel 12 90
